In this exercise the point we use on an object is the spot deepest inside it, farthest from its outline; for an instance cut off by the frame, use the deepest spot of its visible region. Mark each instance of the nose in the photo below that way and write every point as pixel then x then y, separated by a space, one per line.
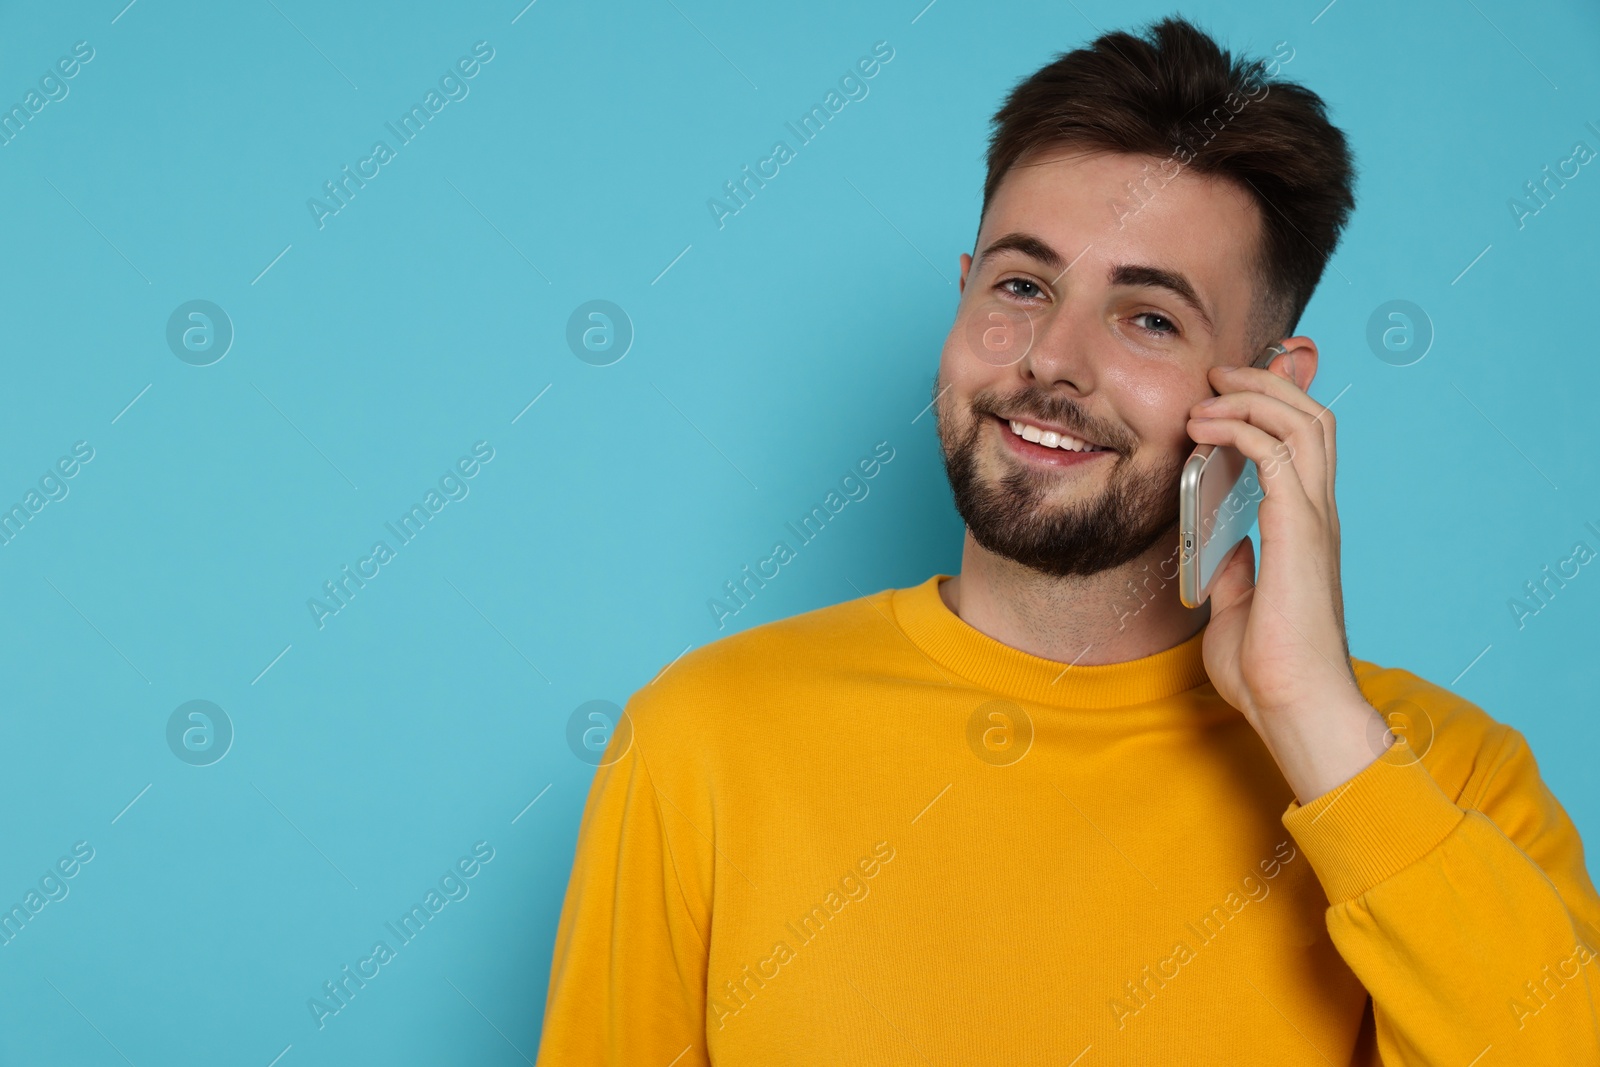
pixel 1060 359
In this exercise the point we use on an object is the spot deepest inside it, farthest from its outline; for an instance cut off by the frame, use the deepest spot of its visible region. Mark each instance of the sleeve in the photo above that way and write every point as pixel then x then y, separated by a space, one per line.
pixel 628 974
pixel 1472 927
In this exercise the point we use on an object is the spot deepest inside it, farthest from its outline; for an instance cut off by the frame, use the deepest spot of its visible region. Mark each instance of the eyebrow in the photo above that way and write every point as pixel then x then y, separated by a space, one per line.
pixel 1130 274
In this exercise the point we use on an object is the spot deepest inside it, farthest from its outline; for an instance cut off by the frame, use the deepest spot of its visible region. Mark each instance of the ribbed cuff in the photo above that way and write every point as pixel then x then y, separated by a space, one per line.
pixel 1387 817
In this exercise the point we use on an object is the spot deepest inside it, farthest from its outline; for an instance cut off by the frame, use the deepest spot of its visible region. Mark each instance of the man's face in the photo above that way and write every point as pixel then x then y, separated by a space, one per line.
pixel 1103 325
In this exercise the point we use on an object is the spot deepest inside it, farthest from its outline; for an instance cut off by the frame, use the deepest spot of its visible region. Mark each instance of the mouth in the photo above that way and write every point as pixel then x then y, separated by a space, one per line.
pixel 1047 445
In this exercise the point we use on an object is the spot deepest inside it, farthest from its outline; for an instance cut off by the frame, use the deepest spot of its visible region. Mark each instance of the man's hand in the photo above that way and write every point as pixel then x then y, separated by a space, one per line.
pixel 1275 646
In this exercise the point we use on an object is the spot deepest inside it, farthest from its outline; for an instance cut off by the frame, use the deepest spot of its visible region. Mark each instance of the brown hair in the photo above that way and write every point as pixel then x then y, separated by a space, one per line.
pixel 1175 93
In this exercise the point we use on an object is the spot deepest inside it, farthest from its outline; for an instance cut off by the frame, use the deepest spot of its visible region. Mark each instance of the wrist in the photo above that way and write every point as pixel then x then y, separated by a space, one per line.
pixel 1322 744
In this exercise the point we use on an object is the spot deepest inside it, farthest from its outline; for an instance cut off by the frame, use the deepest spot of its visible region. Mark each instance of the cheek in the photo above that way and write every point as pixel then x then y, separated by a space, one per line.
pixel 1154 400
pixel 959 369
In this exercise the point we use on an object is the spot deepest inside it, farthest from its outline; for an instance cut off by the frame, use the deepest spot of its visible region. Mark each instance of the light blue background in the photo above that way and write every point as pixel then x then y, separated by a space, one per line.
pixel 774 352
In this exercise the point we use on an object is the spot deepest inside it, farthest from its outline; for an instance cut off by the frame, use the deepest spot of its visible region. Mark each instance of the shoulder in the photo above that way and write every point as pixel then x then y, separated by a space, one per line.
pixel 750 675
pixel 1459 742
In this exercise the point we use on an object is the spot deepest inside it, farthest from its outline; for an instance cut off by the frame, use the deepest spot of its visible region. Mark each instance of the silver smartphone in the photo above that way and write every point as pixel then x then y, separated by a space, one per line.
pixel 1217 501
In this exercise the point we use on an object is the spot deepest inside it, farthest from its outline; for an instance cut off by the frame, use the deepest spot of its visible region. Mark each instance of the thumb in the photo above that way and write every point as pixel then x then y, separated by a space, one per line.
pixel 1237 579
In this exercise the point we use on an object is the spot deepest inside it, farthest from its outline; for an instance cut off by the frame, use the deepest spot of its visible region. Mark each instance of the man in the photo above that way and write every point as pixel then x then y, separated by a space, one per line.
pixel 1041 812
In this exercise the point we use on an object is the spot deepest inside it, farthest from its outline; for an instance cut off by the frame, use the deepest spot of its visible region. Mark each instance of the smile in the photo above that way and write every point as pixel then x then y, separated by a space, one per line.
pixel 1051 438
pixel 1041 445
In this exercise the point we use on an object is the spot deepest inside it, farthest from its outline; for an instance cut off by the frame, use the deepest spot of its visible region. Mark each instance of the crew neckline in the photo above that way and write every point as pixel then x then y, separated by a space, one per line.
pixel 953 643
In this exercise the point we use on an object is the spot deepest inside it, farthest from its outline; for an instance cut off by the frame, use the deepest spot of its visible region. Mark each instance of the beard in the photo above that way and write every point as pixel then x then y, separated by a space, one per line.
pixel 1012 517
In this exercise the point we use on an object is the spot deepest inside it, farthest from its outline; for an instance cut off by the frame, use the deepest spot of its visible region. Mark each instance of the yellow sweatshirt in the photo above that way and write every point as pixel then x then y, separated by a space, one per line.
pixel 871 834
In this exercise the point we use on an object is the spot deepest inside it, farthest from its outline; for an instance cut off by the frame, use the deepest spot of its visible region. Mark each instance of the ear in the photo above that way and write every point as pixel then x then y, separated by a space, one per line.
pixel 966 265
pixel 1298 364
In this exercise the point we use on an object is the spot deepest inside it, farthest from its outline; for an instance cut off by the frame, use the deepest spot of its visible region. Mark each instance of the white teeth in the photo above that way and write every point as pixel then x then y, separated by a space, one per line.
pixel 1050 438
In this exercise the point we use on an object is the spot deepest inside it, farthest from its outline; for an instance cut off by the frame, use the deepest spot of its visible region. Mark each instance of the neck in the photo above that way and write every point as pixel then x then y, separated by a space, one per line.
pixel 1122 614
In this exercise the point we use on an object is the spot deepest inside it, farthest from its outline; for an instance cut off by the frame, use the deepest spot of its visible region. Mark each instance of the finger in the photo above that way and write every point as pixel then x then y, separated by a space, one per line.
pixel 1237 579
pixel 1257 379
pixel 1261 447
pixel 1285 422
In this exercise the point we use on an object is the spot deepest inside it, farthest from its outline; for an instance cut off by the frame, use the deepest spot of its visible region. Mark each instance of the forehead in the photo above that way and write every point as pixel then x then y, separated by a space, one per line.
pixel 1118 208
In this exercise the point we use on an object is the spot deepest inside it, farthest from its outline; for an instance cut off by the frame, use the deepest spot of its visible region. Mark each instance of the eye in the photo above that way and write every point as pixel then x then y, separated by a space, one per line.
pixel 1005 284
pixel 1159 323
